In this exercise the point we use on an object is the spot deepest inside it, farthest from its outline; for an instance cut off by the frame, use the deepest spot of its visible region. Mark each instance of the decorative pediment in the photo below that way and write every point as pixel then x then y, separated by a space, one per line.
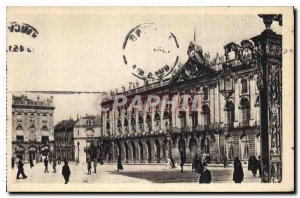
pixel 191 70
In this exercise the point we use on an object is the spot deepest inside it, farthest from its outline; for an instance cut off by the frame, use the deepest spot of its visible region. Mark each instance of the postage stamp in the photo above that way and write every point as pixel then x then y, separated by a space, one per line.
pixel 157 99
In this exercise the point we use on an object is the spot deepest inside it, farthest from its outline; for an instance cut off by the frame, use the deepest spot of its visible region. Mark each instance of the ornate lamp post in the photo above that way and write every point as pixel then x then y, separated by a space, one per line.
pixel 263 53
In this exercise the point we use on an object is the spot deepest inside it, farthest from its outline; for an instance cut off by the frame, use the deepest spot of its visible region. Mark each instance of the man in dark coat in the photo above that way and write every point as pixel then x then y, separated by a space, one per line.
pixel 95 165
pixel 21 169
pixel 46 165
pixel 172 162
pixel 182 161
pixel 54 164
pixel 66 172
pixel 199 165
pixel 238 173
pixel 119 166
pixel 194 164
pixel 252 165
pixel 89 166
pixel 205 175
pixel 31 162
pixel 12 162
pixel 259 165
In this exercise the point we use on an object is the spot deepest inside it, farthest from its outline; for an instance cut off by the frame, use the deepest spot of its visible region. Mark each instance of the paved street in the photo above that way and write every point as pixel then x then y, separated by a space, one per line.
pixel 156 173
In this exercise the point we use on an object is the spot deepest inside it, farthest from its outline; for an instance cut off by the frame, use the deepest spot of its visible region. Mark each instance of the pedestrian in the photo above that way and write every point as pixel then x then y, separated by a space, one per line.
pixel 205 175
pixel 31 162
pixel 259 165
pixel 182 161
pixel 89 166
pixel 54 164
pixel 194 164
pixel 95 165
pixel 77 161
pixel 66 172
pixel 172 163
pixel 12 162
pixel 252 165
pixel 199 165
pixel 21 169
pixel 225 161
pixel 238 173
pixel 119 166
pixel 46 165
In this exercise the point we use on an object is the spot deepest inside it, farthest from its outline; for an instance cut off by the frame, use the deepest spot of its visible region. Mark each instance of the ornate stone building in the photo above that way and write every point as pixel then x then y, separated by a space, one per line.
pixel 64 143
pixel 32 127
pixel 222 126
pixel 87 138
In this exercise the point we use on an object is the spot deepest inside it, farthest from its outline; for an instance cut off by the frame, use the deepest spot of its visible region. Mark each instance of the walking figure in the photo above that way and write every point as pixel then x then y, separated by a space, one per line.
pixel 259 165
pixel 182 161
pixel 194 164
pixel 21 169
pixel 95 165
pixel 119 166
pixel 66 172
pixel 199 165
pixel 54 164
pixel 252 165
pixel 46 165
pixel 12 162
pixel 225 161
pixel 205 175
pixel 31 162
pixel 172 163
pixel 238 173
pixel 77 161
pixel 89 166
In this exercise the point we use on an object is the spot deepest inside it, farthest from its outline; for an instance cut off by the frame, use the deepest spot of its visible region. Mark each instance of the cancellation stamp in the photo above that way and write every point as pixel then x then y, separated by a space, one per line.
pixel 151 51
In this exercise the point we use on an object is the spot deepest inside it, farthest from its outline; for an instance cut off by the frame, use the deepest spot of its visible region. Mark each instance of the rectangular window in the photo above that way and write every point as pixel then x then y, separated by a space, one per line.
pixel 45 139
pixel 20 138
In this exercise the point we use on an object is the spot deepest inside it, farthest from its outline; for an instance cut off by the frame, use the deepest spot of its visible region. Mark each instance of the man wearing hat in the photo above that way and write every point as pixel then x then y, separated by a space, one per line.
pixel 205 175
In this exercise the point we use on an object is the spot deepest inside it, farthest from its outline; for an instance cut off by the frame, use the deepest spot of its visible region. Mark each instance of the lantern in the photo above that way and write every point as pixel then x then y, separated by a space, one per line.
pixel 226 81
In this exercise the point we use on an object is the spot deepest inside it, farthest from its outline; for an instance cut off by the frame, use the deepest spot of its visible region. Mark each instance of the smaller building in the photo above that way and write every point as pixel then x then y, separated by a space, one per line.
pixel 32 127
pixel 64 142
pixel 88 138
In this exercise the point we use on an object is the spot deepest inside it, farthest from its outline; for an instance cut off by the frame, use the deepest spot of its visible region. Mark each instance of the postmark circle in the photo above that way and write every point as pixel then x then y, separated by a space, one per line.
pixel 150 51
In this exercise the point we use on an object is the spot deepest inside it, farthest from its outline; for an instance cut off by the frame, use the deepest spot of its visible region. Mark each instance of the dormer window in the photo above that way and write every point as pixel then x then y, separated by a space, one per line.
pixel 89 122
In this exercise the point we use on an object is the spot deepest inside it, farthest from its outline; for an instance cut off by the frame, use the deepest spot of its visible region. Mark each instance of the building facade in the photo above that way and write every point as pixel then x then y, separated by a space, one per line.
pixel 64 143
pixel 221 127
pixel 32 127
pixel 87 138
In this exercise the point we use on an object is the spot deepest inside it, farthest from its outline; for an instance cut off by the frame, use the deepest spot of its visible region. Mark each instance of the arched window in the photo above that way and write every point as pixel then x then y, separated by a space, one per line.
pixel 148 122
pixel 245 110
pixel 44 118
pixel 108 127
pixel 157 121
pixel 182 117
pixel 32 117
pixel 205 145
pixel 229 108
pixel 44 128
pixel 206 115
pixel 205 93
pixel 89 122
pixel 244 147
pixel 32 136
pixel 229 148
pixel 19 128
pixel 19 117
pixel 244 86
pixel 119 126
pixel 126 124
pixel 141 122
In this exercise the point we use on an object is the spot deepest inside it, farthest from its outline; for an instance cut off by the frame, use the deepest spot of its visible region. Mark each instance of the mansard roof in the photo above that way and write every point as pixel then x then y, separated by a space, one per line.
pixel 65 125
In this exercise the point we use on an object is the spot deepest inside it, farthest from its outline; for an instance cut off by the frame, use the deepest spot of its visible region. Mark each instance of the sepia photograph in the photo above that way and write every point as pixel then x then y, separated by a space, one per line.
pixel 150 99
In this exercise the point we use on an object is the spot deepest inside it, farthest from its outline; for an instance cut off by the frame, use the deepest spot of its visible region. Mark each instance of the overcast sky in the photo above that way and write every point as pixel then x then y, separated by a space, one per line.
pixel 82 51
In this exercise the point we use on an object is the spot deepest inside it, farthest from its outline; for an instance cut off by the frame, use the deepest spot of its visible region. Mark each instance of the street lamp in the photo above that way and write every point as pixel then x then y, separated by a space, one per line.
pixel 226 81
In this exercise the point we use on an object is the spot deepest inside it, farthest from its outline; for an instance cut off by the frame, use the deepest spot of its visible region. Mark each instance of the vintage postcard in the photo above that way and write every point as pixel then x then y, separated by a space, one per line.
pixel 150 99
